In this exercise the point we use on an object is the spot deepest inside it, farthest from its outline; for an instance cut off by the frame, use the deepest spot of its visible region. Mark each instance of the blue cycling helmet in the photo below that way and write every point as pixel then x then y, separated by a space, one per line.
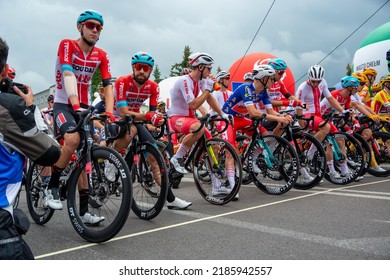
pixel 90 14
pixel 277 64
pixel 349 81
pixel 142 57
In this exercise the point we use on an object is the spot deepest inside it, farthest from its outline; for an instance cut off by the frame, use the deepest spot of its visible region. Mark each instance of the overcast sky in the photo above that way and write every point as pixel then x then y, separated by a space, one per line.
pixel 300 32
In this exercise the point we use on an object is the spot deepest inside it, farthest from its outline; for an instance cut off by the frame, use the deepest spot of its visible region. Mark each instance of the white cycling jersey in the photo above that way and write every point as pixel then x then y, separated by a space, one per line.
pixel 183 92
pixel 312 96
pixel 221 97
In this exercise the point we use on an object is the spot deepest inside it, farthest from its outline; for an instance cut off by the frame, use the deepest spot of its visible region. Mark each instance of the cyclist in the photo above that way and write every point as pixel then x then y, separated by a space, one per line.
pixel 131 91
pixel 248 78
pixel 366 93
pixel 77 60
pixel 186 99
pixel 278 93
pixel 252 99
pixel 309 92
pixel 47 113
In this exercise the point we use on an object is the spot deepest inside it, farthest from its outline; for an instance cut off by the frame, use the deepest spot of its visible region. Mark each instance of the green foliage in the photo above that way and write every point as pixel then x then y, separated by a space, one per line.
pixel 349 70
pixel 157 74
pixel 177 67
pixel 96 80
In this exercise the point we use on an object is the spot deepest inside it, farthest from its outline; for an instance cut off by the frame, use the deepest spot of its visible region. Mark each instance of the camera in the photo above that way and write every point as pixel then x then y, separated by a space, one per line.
pixel 6 85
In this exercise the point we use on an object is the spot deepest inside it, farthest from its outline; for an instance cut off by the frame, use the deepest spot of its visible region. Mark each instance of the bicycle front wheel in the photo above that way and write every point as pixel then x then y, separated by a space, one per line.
pixel 98 207
pixel 382 154
pixel 150 181
pixel 273 164
pixel 217 171
pixel 35 186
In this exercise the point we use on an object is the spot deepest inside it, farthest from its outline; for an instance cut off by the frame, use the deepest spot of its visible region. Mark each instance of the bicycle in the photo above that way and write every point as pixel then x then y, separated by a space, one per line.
pixel 271 161
pixel 149 172
pixel 208 160
pixel 104 197
pixel 353 154
pixel 311 155
pixel 380 137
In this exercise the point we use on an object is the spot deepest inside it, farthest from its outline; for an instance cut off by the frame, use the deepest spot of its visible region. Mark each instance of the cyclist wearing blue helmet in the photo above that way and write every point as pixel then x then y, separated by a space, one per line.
pixel 77 61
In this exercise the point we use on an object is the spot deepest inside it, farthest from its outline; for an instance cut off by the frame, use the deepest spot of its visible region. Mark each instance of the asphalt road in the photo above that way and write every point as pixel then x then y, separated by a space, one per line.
pixel 328 222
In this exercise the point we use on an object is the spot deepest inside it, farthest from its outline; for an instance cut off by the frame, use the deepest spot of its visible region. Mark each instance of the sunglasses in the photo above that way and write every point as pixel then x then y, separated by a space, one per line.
pixel 315 81
pixel 227 78
pixel 210 67
pixel 91 25
pixel 140 66
pixel 362 84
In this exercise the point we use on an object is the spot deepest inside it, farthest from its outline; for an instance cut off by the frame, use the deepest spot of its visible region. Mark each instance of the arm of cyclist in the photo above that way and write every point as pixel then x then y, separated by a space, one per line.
pixel 270 116
pixel 335 104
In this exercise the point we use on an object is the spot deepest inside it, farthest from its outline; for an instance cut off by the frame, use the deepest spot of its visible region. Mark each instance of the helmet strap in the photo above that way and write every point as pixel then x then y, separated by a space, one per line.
pixel 86 41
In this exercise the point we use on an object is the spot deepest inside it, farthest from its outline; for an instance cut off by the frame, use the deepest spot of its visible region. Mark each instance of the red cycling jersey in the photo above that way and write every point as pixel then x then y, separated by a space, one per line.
pixel 126 92
pixel 82 65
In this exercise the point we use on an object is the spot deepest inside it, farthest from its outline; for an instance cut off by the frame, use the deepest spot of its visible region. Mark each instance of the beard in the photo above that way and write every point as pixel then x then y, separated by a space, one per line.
pixel 141 79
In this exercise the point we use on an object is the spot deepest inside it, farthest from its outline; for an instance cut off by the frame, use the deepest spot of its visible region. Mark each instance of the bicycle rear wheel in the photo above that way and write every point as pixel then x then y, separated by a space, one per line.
pixel 150 181
pixel 366 153
pixel 274 168
pixel 34 195
pixel 103 198
pixel 212 169
pixel 312 160
pixel 381 154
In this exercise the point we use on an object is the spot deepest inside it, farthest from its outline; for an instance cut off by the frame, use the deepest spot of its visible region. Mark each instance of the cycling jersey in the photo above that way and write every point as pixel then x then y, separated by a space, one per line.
pixel 11 171
pixel 183 92
pixel 345 102
pixel 379 101
pixel 221 97
pixel 128 94
pixel 311 96
pixel 245 96
pixel 70 57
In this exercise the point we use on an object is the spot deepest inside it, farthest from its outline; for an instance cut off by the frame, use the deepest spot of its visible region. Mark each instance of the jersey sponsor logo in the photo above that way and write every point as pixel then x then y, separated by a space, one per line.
pixel 84 69
pixel 66 51
pixel 59 79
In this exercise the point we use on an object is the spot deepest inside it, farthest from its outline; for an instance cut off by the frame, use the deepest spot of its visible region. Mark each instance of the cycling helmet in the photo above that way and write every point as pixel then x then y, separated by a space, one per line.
pixel 277 64
pixel 50 97
pixel 142 57
pixel 360 76
pixel 316 73
pixel 376 87
pixel 185 71
pixel 11 73
pixel 261 71
pixel 248 76
pixel 200 58
pixel 222 74
pixel 384 80
pixel 90 14
pixel 369 71
pixel 349 81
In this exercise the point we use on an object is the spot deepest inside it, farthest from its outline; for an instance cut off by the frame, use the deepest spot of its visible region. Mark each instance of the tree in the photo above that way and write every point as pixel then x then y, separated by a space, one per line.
pixel 177 67
pixel 157 74
pixel 349 70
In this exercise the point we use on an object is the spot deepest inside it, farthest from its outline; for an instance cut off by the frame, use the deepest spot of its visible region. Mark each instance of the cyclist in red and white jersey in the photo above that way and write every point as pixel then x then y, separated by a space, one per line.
pixel 309 92
pixel 77 60
pixel 131 91
pixel 187 95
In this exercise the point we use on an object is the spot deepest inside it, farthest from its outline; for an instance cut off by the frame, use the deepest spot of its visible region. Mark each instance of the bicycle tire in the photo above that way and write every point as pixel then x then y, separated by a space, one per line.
pixel 283 174
pixel 240 148
pixel 354 155
pixel 366 152
pixel 148 196
pixel 105 198
pixel 315 165
pixel 203 172
pixel 381 158
pixel 34 195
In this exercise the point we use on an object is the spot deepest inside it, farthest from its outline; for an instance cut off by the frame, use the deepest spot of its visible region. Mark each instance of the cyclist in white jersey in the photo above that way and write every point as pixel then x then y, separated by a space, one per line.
pixel 309 92
pixel 187 95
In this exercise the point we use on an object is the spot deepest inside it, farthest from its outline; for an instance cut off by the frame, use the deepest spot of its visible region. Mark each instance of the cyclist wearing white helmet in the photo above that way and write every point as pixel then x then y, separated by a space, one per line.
pixel 248 78
pixel 309 92
pixel 77 60
pixel 188 95
pixel 252 99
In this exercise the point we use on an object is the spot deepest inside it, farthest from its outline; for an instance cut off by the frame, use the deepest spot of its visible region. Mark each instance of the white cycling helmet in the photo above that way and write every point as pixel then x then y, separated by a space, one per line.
pixel 222 74
pixel 316 73
pixel 261 71
pixel 248 76
pixel 200 58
